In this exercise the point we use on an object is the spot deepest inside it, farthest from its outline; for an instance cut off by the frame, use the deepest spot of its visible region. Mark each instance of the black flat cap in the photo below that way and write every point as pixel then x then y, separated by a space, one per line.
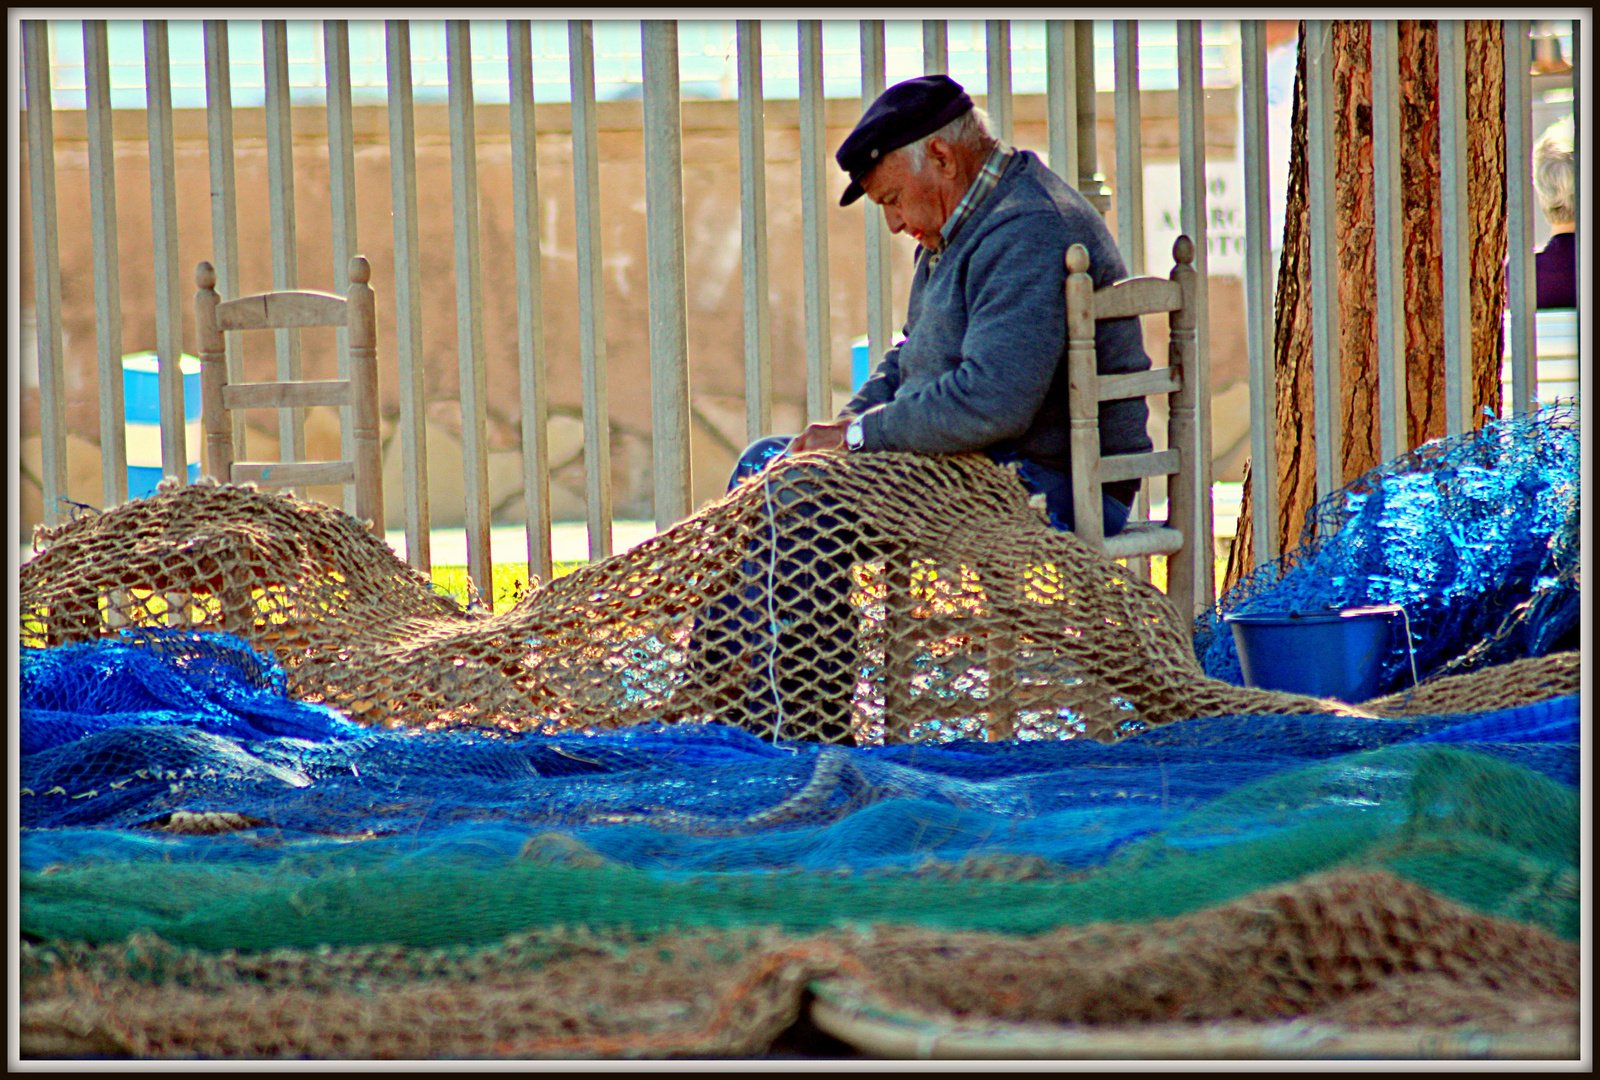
pixel 904 113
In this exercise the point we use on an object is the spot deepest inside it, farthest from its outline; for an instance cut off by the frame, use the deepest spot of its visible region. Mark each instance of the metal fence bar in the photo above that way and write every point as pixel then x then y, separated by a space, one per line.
pixel 1258 295
pixel 664 256
pixel 814 224
pixel 880 326
pixel 997 59
pixel 469 307
pixel 1192 189
pixel 1130 166
pixel 1454 235
pixel 591 293
pixel 1521 294
pixel 46 265
pixel 1091 185
pixel 342 198
pixel 1130 198
pixel 1325 380
pixel 107 264
pixel 164 236
pixel 532 380
pixel 408 294
pixel 280 195
pixel 1580 275
pixel 1388 237
pixel 935 47
pixel 224 198
pixel 1061 92
pixel 753 234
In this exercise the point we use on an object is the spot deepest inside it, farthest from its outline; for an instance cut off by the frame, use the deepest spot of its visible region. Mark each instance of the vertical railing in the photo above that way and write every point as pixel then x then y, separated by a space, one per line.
pixel 1130 196
pixel 935 47
pixel 1387 238
pixel 669 331
pixel 1061 92
pixel 997 61
pixel 164 234
pixel 224 200
pixel 342 196
pixel 408 293
pixel 1258 293
pixel 1090 183
pixel 1454 238
pixel 532 383
pixel 471 361
pixel 591 294
pixel 814 223
pixel 1324 285
pixel 1520 289
pixel 753 234
pixel 107 264
pixel 1192 216
pixel 876 228
pixel 280 195
pixel 1130 160
pixel 46 267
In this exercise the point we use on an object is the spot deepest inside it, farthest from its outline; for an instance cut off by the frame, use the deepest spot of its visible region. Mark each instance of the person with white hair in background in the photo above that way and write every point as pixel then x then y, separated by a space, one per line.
pixel 1555 265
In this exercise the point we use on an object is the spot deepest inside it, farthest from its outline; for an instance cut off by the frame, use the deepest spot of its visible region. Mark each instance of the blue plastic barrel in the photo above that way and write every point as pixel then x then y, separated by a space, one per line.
pixel 860 363
pixel 141 408
pixel 1336 653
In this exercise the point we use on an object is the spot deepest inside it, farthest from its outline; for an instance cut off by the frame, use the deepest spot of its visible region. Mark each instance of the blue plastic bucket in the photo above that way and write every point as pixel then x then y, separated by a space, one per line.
pixel 1327 654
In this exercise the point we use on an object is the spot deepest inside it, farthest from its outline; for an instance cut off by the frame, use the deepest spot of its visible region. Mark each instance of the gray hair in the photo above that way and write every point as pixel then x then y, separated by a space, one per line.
pixel 1552 171
pixel 972 130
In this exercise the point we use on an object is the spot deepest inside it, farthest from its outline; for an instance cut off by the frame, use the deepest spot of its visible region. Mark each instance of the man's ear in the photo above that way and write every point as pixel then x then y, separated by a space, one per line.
pixel 943 157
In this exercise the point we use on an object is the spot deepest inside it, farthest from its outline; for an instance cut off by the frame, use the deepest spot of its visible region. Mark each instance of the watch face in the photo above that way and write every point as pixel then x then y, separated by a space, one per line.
pixel 853 435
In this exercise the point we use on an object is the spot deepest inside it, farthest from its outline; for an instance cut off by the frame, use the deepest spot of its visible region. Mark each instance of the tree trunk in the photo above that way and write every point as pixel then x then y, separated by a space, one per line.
pixel 1350 47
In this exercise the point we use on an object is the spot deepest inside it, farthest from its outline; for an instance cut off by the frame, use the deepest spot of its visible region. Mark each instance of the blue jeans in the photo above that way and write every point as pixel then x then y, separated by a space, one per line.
pixel 813 587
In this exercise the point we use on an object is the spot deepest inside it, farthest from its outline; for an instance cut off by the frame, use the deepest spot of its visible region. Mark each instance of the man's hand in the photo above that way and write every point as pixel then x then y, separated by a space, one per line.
pixel 822 435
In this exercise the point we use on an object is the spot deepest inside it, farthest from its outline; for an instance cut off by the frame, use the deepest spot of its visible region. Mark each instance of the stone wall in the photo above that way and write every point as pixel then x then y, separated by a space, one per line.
pixel 714 292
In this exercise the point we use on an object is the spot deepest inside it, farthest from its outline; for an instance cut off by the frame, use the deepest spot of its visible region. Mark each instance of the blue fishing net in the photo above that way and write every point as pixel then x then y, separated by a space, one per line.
pixel 209 682
pixel 1476 536
pixel 278 825
pixel 687 797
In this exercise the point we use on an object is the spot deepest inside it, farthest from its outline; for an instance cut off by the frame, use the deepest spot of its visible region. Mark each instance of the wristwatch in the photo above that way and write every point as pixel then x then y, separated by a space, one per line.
pixel 853 434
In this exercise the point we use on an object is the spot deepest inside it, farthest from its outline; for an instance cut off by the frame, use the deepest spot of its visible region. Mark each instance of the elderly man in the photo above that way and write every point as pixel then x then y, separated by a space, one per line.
pixel 981 367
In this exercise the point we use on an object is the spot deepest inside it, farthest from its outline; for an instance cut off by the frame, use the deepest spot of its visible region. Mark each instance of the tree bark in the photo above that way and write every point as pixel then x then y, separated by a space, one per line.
pixel 1421 210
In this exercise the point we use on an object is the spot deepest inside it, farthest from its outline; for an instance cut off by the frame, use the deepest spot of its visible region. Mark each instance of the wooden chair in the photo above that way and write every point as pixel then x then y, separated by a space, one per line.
pixel 280 310
pixel 1174 295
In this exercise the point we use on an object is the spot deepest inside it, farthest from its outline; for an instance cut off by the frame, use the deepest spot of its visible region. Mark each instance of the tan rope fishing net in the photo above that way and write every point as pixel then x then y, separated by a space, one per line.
pixel 1359 949
pixel 885 596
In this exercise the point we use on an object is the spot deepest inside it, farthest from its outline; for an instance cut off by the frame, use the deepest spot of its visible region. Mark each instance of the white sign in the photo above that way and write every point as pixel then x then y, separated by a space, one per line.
pixel 1224 218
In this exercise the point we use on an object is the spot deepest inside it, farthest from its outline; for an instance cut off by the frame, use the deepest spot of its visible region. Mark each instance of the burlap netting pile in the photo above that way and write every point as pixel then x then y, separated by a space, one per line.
pixel 882 596
pixel 1352 951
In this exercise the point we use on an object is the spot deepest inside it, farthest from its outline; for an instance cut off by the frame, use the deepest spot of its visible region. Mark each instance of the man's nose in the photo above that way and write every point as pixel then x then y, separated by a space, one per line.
pixel 895 221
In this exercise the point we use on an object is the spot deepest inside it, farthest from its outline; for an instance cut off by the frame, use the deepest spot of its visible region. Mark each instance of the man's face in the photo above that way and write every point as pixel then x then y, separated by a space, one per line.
pixel 915 202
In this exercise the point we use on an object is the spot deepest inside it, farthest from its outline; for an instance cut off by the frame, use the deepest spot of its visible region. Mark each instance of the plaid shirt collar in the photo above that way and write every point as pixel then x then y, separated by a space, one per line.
pixel 982 184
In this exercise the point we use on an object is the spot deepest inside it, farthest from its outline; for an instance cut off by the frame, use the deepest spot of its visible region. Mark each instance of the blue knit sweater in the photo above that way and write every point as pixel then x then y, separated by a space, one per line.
pixel 983 366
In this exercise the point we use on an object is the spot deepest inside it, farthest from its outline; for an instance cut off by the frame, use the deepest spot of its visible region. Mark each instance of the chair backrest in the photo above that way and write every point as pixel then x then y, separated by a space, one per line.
pixel 1181 462
pixel 356 396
